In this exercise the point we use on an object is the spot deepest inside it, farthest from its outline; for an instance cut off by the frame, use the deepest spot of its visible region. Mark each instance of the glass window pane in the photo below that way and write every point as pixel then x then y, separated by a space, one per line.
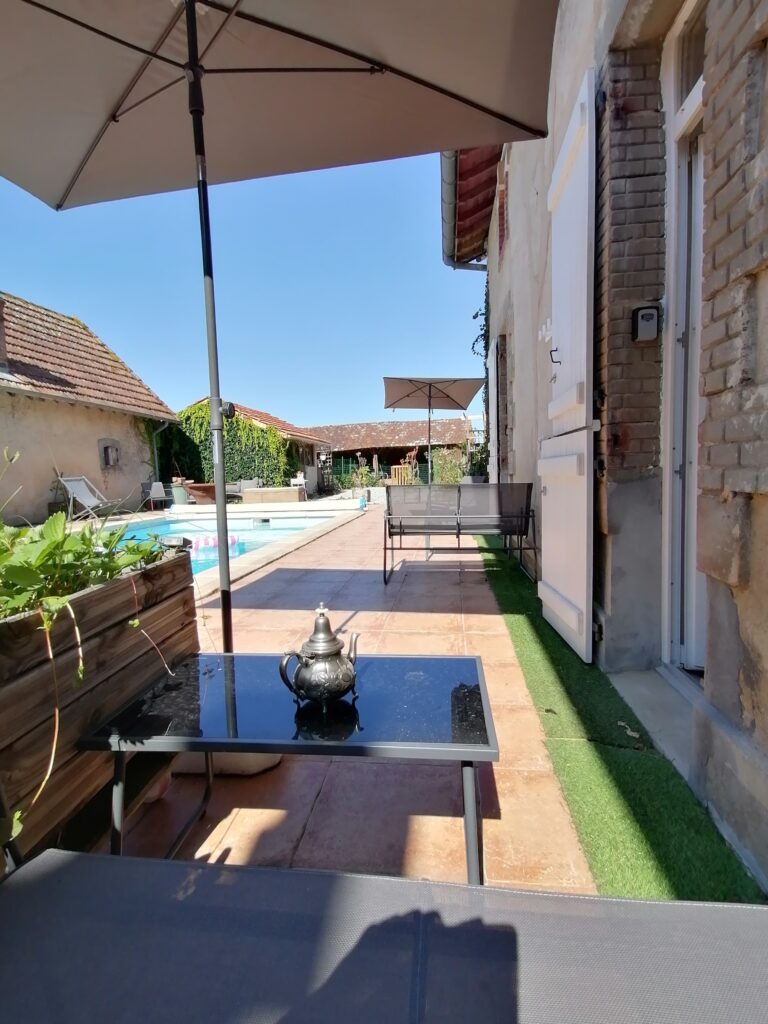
pixel 692 52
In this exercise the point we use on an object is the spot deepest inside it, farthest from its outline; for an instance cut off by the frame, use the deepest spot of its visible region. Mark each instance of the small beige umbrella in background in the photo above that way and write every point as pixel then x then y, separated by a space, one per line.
pixel 430 393
pixel 94 96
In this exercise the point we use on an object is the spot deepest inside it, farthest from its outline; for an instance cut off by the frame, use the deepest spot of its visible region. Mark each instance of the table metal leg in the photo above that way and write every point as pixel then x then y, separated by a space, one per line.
pixel 118 804
pixel 198 812
pixel 472 823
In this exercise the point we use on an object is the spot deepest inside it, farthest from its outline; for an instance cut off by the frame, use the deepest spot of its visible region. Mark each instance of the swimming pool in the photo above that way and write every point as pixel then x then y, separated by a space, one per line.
pixel 246 533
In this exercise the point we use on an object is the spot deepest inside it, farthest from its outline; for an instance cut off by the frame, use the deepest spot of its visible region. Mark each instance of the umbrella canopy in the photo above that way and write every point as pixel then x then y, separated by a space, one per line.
pixel 94 93
pixel 93 101
pixel 430 393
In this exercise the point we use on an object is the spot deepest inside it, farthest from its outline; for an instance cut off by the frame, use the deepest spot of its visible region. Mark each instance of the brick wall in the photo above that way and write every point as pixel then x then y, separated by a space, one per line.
pixel 734 435
pixel 629 271
pixel 629 260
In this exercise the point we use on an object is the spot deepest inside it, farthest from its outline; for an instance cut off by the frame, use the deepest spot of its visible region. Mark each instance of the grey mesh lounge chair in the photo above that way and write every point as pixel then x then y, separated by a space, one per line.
pixel 81 492
pixel 87 937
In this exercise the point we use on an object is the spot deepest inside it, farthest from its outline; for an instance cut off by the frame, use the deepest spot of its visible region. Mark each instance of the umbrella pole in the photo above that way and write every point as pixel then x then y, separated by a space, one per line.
pixel 429 435
pixel 194 75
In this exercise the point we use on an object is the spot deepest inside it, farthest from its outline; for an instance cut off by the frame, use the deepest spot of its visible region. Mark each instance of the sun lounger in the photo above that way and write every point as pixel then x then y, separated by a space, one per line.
pixel 84 500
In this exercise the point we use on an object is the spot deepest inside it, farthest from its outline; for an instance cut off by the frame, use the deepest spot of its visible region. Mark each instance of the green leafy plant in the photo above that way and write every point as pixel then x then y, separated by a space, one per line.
pixel 482 344
pixel 363 477
pixel 41 569
pixel 250 451
pixel 344 481
pixel 448 465
pixel 478 459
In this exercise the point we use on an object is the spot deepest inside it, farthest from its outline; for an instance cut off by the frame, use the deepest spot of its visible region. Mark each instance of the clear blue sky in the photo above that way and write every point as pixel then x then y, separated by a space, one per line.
pixel 325 283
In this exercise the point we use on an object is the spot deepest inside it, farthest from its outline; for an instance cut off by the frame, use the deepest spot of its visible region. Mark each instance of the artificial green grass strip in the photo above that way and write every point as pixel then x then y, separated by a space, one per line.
pixel 574 700
pixel 644 833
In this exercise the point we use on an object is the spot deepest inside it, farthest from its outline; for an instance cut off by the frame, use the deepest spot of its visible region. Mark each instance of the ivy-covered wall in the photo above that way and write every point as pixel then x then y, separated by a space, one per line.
pixel 250 451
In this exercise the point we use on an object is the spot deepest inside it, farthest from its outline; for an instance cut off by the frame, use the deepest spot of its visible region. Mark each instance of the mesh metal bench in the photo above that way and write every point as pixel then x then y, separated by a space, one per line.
pixel 134 941
pixel 489 510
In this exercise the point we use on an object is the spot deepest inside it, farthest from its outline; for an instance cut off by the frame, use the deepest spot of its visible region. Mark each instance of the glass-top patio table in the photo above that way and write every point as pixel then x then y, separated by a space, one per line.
pixel 433 708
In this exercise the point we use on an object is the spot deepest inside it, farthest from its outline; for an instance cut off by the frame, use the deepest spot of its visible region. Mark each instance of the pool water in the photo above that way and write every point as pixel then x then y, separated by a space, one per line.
pixel 245 534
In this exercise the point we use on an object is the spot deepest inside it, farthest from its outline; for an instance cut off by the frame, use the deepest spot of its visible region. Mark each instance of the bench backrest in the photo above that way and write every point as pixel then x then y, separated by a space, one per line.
pixel 488 507
pixel 488 504
pixel 419 500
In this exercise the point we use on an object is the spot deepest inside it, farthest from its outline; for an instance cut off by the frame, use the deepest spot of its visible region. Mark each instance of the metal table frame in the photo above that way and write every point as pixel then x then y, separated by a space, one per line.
pixel 468 755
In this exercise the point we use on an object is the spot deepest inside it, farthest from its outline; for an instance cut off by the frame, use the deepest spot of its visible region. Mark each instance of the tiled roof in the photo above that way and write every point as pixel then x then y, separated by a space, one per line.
pixel 54 356
pixel 350 437
pixel 266 419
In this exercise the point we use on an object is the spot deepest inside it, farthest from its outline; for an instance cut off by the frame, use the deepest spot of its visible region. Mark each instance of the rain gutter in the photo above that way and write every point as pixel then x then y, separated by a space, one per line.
pixel 154 446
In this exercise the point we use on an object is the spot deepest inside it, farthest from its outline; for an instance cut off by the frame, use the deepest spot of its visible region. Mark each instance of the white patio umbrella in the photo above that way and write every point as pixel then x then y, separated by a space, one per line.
pixel 94 93
pixel 430 393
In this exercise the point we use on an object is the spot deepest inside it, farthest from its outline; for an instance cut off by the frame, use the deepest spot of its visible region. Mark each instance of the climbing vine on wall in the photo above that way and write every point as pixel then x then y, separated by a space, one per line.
pixel 250 451
pixel 481 345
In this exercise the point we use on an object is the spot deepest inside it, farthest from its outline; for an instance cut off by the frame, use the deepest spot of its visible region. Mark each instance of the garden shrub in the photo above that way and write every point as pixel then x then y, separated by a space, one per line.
pixel 448 465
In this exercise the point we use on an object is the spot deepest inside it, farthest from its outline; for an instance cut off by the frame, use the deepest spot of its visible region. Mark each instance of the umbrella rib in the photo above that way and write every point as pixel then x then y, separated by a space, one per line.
pixel 182 78
pixel 446 396
pixel 372 70
pixel 408 394
pixel 145 99
pixel 535 133
pixel 107 35
pixel 126 92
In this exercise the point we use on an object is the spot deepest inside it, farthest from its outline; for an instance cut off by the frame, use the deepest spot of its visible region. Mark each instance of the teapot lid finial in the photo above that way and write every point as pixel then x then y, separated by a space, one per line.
pixel 323 639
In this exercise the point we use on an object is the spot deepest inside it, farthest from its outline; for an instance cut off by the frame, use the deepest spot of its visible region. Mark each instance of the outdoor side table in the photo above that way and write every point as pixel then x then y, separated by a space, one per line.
pixel 405 708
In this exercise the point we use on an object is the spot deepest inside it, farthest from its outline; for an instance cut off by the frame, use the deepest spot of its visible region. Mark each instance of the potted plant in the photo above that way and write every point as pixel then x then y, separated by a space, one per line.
pixel 87 619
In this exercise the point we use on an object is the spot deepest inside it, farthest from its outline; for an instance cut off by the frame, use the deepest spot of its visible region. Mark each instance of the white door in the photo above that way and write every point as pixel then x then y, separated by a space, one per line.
pixel 571 201
pixel 566 459
pixel 565 588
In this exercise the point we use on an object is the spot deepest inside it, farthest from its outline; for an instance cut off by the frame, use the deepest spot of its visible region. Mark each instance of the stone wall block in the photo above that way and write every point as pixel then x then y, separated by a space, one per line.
pixel 721 454
pixel 725 651
pixel 723 525
pixel 710 478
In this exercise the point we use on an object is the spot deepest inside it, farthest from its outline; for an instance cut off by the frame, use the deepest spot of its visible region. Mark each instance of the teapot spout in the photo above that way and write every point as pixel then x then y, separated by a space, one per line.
pixel 352 652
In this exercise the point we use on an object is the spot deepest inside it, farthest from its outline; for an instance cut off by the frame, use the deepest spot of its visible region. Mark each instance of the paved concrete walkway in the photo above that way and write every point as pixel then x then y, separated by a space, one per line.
pixel 382 817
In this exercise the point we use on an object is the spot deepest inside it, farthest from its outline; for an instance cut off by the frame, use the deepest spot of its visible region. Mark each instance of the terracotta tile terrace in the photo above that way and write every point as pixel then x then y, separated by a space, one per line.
pixel 315 812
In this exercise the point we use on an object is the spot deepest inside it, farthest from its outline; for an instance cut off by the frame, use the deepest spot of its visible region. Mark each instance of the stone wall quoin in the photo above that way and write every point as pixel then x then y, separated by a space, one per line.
pixel 631 167
pixel 733 436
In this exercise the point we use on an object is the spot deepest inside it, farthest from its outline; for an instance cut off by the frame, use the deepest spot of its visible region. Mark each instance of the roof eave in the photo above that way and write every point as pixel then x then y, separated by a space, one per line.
pixel 32 392
pixel 460 251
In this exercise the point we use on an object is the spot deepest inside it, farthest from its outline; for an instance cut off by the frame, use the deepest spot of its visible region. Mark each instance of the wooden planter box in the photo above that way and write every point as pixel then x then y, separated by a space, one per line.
pixel 119 663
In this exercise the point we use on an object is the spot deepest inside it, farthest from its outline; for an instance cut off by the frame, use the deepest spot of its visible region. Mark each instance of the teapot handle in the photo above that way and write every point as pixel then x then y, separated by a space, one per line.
pixel 284 670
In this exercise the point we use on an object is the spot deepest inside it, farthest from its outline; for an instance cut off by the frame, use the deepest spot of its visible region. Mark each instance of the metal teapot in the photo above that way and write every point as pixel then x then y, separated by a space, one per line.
pixel 323 674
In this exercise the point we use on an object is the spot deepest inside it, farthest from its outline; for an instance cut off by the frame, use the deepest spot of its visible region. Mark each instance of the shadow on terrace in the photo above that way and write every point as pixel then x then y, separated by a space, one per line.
pixel 368 815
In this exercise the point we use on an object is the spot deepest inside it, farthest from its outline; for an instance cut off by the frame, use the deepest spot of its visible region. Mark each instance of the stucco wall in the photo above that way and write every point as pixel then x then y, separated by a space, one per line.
pixel 55 434
pixel 519 278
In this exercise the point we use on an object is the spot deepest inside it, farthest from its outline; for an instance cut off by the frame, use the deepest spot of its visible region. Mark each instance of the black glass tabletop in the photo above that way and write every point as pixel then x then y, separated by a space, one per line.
pixel 405 706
